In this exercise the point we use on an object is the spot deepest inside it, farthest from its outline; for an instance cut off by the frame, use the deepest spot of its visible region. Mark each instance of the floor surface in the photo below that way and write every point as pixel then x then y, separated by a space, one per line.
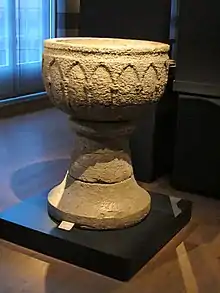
pixel 34 154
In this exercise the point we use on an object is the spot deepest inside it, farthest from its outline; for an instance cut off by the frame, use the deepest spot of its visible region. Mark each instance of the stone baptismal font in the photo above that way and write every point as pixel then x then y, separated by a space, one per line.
pixel 104 85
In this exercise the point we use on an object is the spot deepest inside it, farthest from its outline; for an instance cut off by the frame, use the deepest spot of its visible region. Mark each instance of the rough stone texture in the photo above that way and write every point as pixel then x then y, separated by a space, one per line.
pixel 104 79
pixel 104 159
pixel 99 206
pixel 104 85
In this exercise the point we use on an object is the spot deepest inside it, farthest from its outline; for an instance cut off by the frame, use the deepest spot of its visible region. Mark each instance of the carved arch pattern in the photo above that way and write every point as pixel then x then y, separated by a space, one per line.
pixel 78 82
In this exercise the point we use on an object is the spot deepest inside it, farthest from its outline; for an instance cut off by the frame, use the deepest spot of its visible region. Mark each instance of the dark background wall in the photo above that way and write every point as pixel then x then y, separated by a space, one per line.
pixel 140 19
pixel 197 161
pixel 67 18
pixel 198 47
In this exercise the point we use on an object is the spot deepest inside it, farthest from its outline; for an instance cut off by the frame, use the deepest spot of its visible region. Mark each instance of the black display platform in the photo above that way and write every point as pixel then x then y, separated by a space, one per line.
pixel 118 254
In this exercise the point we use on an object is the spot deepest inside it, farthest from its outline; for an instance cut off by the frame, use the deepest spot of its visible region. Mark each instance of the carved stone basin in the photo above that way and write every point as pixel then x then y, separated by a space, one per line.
pixel 103 84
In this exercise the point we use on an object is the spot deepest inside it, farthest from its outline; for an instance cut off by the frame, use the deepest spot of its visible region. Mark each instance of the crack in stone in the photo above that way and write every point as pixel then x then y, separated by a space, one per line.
pixel 99 181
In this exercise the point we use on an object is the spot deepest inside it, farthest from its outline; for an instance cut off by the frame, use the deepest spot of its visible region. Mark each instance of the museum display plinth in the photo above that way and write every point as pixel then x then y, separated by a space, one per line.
pixel 104 85
pixel 116 253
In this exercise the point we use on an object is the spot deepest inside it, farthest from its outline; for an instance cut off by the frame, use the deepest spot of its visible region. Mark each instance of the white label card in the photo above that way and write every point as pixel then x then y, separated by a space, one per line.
pixel 66 225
